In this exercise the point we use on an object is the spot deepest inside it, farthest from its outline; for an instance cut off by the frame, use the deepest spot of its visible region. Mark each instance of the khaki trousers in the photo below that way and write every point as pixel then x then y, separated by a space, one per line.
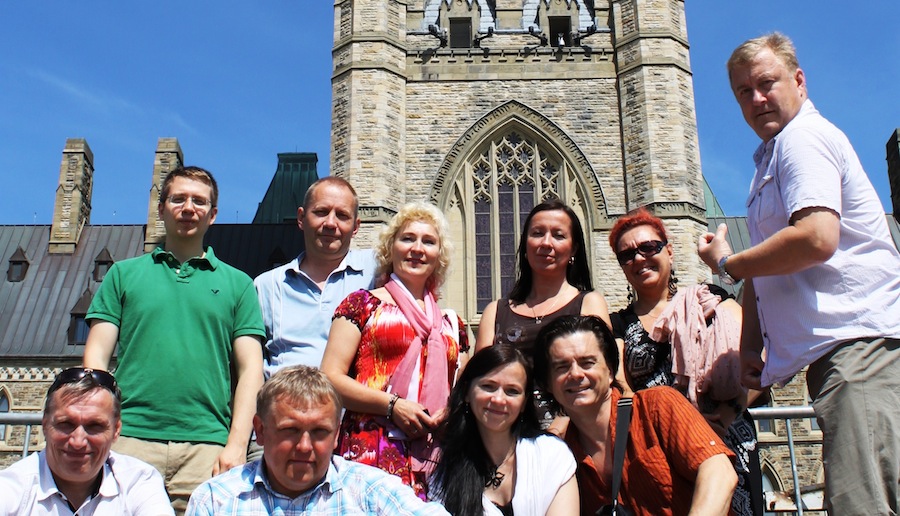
pixel 183 466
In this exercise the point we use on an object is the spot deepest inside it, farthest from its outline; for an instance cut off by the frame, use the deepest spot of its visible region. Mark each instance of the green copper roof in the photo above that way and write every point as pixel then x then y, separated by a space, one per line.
pixel 295 172
pixel 712 204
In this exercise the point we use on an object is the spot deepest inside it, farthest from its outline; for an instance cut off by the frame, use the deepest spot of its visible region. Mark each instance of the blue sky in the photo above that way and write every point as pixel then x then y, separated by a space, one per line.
pixel 239 82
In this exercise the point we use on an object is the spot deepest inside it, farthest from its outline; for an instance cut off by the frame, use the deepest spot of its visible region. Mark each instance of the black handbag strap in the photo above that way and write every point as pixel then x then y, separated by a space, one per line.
pixel 623 420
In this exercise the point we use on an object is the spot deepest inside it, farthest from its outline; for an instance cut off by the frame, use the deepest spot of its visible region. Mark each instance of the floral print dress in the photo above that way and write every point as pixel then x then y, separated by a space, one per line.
pixel 385 336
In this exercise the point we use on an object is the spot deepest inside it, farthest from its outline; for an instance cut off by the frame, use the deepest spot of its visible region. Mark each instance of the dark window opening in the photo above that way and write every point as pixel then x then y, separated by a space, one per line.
pixel 78 330
pixel 102 262
pixel 78 326
pixel 277 258
pixel 18 266
pixel 560 28
pixel 4 409
pixel 460 32
pixel 100 270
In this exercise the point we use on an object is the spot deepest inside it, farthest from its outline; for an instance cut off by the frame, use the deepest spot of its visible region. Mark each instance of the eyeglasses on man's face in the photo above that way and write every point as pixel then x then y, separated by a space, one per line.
pixel 76 374
pixel 198 202
pixel 646 249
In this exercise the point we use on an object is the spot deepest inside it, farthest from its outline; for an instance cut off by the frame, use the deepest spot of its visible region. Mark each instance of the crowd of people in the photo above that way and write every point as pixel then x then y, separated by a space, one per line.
pixel 335 384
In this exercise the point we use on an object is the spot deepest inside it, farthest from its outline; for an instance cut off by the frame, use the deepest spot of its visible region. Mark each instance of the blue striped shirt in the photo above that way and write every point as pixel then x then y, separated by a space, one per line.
pixel 348 488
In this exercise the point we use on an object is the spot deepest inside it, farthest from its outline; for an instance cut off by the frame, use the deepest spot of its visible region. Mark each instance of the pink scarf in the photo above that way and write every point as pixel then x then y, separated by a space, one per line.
pixel 428 324
pixel 705 359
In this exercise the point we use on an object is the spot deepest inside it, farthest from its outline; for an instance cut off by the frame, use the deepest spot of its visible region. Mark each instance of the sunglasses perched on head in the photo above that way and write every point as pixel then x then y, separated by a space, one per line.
pixel 646 249
pixel 76 374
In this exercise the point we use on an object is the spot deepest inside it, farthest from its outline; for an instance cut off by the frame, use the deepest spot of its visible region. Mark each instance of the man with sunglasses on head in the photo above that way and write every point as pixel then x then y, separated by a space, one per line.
pixel 76 473
pixel 189 331
pixel 823 287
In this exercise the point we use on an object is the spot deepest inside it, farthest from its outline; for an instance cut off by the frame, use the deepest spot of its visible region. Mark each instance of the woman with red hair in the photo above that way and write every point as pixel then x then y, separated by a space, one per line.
pixel 687 338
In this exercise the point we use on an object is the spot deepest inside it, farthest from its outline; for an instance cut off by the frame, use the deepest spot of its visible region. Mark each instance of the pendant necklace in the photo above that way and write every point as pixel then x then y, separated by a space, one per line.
pixel 495 477
pixel 538 319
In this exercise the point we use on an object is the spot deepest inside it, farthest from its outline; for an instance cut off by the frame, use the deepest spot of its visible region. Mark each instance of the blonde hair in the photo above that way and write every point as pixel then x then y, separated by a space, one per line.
pixel 302 386
pixel 778 43
pixel 415 212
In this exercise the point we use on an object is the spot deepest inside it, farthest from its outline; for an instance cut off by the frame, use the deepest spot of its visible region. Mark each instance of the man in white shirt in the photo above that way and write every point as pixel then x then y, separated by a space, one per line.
pixel 823 285
pixel 77 473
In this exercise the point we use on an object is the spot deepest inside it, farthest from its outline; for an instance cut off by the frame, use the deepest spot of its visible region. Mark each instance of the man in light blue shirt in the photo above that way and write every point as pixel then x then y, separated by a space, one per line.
pixel 298 299
pixel 297 423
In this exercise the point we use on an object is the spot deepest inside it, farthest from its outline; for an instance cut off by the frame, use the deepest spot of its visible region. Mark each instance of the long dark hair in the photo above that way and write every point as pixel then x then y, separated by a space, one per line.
pixel 465 465
pixel 578 274
pixel 563 327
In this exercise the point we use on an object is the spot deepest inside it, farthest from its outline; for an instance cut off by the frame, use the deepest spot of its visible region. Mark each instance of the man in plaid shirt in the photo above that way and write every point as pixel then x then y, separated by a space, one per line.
pixel 297 423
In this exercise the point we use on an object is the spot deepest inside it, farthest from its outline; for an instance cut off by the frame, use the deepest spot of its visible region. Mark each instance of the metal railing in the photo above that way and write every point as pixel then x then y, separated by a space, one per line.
pixel 29 420
pixel 787 414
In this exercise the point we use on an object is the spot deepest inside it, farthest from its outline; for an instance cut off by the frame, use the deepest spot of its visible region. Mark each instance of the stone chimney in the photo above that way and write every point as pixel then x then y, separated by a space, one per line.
pixel 72 209
pixel 893 162
pixel 168 158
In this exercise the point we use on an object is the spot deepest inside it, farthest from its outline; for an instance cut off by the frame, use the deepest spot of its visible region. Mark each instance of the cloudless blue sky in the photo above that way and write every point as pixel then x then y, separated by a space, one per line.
pixel 239 82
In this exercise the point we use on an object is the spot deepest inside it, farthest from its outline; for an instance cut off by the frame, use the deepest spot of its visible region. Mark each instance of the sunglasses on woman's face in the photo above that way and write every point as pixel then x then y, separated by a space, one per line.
pixel 646 249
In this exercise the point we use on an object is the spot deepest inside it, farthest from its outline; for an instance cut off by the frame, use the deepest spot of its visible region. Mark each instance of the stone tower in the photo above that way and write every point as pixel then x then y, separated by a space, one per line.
pixel 487 107
pixel 72 210
pixel 369 105
pixel 168 157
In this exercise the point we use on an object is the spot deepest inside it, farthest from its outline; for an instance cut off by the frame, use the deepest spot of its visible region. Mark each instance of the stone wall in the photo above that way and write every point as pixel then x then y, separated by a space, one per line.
pixel 25 386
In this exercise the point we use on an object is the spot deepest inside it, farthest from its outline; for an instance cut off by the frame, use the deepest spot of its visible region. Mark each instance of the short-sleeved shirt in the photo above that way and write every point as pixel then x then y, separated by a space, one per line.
pixel 129 487
pixel 297 313
pixel 668 441
pixel 177 323
pixel 855 293
pixel 348 488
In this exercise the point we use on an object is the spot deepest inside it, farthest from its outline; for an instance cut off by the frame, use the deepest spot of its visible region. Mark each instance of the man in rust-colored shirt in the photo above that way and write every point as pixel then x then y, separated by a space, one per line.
pixel 674 462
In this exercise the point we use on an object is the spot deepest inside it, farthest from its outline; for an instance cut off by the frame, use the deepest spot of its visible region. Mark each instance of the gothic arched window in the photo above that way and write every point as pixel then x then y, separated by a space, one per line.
pixel 4 409
pixel 509 177
pixel 509 161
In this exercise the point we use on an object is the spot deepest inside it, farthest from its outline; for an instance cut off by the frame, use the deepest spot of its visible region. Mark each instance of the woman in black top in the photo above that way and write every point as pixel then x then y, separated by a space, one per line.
pixel 553 280
pixel 641 245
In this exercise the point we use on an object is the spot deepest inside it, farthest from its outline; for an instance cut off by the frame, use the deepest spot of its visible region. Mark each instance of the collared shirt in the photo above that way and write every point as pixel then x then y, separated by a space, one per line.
pixel 668 440
pixel 297 314
pixel 349 488
pixel 177 326
pixel 856 292
pixel 129 487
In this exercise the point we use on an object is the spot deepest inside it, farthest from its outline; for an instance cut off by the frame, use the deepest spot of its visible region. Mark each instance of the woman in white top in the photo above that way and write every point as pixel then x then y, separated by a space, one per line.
pixel 495 458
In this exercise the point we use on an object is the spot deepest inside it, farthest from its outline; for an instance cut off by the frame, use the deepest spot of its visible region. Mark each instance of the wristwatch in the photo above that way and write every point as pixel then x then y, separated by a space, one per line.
pixel 723 274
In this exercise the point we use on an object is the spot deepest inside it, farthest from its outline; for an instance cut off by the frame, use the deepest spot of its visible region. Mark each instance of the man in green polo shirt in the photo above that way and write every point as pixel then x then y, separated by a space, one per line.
pixel 183 321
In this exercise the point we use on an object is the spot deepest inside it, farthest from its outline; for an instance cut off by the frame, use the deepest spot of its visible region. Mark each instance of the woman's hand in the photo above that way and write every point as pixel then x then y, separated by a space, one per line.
pixel 413 419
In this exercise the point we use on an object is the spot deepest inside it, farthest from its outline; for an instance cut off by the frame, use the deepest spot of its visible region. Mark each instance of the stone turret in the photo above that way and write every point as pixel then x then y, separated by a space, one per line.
pixel 72 209
pixel 661 152
pixel 168 157
pixel 368 136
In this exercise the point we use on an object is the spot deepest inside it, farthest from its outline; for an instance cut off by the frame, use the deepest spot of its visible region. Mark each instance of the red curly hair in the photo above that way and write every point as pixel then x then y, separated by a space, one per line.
pixel 633 219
